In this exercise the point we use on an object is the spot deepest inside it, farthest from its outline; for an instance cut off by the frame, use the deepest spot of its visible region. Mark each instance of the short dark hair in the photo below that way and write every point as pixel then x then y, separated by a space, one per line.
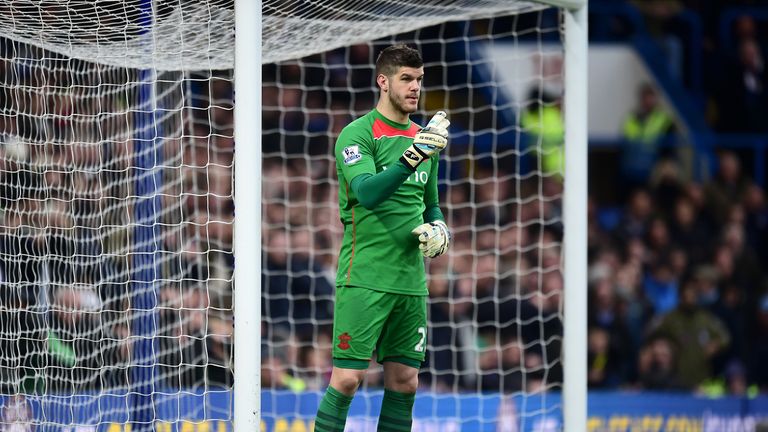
pixel 396 56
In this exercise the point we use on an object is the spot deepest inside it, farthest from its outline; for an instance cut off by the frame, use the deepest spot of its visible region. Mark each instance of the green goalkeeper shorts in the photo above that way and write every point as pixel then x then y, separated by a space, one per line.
pixel 392 325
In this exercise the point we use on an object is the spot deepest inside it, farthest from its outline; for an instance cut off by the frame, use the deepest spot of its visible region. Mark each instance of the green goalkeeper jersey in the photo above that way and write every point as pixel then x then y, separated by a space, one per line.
pixel 378 251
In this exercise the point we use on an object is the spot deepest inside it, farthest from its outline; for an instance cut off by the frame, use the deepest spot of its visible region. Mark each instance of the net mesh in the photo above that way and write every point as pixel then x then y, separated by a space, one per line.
pixel 116 240
pixel 199 35
pixel 495 327
pixel 117 208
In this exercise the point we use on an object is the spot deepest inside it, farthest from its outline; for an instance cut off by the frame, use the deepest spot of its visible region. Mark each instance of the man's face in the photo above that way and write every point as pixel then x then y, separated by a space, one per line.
pixel 648 100
pixel 404 88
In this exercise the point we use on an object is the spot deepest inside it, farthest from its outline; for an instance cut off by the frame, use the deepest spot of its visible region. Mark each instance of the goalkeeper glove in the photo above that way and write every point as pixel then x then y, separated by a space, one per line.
pixel 434 238
pixel 428 142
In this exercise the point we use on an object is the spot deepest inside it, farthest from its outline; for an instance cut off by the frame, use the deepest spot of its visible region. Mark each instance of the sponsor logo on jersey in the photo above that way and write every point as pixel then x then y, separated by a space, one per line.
pixel 344 339
pixel 352 154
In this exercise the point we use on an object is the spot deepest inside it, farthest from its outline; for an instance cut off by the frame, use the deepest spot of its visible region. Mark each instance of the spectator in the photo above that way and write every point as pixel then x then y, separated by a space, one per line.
pixel 707 289
pixel 512 355
pixel 657 365
pixel 635 220
pixel 275 375
pixel 79 343
pixel 543 335
pixel 17 415
pixel 657 240
pixel 730 308
pixel 644 130
pixel 661 287
pixel 727 189
pixel 611 341
pixel 495 306
pixel 298 297
pixel 758 346
pixel 449 316
pixel 604 366
pixel 184 343
pixel 633 307
pixel 689 231
pixel 501 368
pixel 744 97
pixel 659 17
pixel 667 184
pixel 315 366
pixel 746 268
pixel 536 372
pixel 24 327
pixel 697 335
pixel 543 120
pixel 489 365
pixel 218 347
pixel 756 221
pixel 736 383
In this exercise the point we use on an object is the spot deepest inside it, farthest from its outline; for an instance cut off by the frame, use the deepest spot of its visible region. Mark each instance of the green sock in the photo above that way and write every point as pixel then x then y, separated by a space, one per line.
pixel 332 413
pixel 396 412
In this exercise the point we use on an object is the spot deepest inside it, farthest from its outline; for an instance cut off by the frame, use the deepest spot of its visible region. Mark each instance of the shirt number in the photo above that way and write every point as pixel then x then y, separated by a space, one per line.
pixel 420 346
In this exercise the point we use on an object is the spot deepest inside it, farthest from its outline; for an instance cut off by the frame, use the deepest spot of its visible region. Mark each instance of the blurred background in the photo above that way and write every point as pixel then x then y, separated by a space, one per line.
pixel 678 217
pixel 678 246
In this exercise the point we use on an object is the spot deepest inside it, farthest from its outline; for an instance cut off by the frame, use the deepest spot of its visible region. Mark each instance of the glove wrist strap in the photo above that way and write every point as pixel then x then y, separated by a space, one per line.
pixel 413 157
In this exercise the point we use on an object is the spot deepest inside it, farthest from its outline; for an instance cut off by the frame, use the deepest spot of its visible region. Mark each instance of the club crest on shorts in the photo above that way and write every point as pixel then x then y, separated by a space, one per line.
pixel 344 339
pixel 352 154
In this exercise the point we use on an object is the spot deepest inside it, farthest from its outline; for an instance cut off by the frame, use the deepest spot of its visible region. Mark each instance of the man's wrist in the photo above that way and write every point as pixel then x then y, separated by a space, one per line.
pixel 413 157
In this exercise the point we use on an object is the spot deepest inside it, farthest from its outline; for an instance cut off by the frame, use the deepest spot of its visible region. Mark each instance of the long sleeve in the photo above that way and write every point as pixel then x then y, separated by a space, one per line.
pixel 432 210
pixel 372 189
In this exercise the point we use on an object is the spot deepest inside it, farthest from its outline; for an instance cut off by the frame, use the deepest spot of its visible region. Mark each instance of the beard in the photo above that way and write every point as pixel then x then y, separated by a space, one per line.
pixel 399 103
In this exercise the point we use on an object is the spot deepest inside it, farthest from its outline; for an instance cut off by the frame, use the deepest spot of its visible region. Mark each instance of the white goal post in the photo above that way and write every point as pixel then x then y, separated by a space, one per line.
pixel 247 304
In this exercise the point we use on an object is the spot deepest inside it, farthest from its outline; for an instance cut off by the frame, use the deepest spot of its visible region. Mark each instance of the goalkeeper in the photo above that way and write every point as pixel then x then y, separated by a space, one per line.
pixel 388 200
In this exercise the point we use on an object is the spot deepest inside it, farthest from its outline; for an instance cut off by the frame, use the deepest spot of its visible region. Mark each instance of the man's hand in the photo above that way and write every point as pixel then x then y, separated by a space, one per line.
pixel 430 140
pixel 434 238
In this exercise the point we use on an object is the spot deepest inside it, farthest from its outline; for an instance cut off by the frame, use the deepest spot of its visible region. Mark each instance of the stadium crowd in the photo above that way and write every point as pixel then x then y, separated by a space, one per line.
pixel 71 267
pixel 678 293
pixel 677 285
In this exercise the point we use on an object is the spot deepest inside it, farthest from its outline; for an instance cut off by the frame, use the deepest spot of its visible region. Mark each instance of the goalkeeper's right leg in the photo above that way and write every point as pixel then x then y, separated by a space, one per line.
pixel 359 315
pixel 334 407
pixel 346 381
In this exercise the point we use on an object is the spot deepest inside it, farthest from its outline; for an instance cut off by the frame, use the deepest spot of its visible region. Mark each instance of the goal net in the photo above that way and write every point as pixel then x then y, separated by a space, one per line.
pixel 116 233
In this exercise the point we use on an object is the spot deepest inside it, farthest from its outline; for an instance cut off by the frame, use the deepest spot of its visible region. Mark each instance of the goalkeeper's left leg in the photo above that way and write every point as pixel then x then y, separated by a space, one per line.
pixel 400 383
pixel 402 350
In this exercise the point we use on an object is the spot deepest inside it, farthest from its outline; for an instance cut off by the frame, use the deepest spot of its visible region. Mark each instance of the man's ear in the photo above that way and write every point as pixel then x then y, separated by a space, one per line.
pixel 383 82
